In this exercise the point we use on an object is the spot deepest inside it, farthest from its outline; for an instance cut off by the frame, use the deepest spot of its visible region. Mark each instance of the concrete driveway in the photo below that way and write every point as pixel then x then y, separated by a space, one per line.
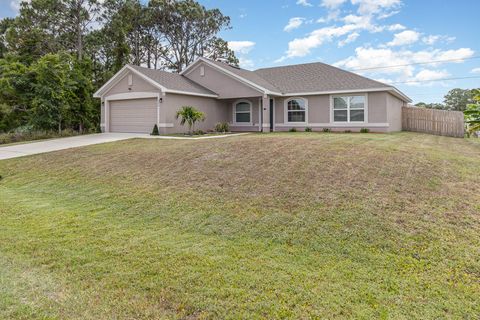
pixel 25 149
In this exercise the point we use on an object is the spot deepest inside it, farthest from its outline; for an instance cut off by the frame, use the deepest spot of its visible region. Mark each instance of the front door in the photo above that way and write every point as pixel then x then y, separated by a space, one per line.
pixel 271 115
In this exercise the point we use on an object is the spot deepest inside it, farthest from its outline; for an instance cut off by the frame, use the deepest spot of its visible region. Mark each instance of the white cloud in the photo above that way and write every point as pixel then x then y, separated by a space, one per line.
pixel 404 38
pixel 332 4
pixel 432 39
pixel 396 27
pixel 242 47
pixel 369 7
pixel 301 47
pixel 401 64
pixel 475 70
pixel 428 75
pixel 293 24
pixel 304 3
pixel 351 37
pixel 246 63
pixel 15 4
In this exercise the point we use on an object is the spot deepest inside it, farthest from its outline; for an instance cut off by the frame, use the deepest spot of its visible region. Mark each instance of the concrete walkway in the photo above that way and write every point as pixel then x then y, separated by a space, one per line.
pixel 29 148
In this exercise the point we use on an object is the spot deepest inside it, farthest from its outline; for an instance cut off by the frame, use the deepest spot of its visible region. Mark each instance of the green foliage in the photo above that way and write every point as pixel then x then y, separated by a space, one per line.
pixel 457 99
pixel 155 131
pixel 327 130
pixel 199 132
pixel 308 129
pixel 20 135
pixel 364 130
pixel 472 113
pixel 347 131
pixel 52 60
pixel 222 127
pixel 190 116
pixel 430 105
pixel 292 130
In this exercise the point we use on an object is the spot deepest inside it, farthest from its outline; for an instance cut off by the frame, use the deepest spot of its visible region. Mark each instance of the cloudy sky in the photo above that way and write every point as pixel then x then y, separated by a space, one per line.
pixel 359 35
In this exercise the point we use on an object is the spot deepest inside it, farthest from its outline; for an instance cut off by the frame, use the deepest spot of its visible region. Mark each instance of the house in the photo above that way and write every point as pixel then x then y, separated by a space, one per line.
pixel 314 95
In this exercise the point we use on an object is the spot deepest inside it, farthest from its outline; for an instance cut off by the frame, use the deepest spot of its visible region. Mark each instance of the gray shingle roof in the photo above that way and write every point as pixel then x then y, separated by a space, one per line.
pixel 248 75
pixel 315 77
pixel 173 81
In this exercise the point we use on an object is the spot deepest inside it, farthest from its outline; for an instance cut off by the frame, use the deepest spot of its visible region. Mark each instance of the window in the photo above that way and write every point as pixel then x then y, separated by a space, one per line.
pixel 242 112
pixel 296 110
pixel 349 109
pixel 202 71
pixel 130 80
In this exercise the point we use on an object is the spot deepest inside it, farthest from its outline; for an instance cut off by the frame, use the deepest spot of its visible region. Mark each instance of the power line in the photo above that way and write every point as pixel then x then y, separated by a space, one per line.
pixel 444 79
pixel 415 63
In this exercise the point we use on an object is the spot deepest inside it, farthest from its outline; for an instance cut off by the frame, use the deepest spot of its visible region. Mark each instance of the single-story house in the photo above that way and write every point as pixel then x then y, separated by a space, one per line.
pixel 314 95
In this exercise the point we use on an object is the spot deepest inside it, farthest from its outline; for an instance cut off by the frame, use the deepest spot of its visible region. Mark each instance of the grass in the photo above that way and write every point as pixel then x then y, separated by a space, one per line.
pixel 304 225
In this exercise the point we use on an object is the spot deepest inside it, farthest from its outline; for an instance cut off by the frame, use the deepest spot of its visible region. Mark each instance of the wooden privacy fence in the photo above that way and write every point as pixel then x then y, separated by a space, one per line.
pixel 438 122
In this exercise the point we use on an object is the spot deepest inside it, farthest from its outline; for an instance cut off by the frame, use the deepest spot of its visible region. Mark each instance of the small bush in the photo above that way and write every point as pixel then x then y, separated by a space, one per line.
pixel 348 131
pixel 292 130
pixel 308 129
pixel 198 132
pixel 327 130
pixel 222 127
pixel 155 131
pixel 364 130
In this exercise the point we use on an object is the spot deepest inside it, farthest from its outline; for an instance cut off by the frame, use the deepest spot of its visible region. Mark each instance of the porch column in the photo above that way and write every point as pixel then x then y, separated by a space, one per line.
pixel 266 113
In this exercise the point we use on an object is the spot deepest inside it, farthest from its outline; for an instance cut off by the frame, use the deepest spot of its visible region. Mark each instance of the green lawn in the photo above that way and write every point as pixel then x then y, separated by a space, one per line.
pixel 293 225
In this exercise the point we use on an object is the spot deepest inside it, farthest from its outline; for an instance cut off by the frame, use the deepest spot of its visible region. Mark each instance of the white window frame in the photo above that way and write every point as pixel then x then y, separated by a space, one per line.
pixel 365 108
pixel 285 110
pixel 234 113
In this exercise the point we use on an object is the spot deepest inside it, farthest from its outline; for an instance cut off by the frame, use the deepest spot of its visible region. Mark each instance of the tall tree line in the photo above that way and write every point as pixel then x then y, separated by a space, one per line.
pixel 56 53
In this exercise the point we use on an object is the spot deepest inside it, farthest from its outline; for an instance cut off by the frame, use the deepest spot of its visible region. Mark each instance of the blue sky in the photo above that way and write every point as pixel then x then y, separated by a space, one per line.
pixel 358 34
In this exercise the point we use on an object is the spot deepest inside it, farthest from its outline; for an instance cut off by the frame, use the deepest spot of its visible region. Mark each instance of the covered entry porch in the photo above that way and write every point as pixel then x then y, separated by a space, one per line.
pixel 254 114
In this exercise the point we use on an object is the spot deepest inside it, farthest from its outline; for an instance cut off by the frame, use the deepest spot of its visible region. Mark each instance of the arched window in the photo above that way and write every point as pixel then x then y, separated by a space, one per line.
pixel 242 112
pixel 296 110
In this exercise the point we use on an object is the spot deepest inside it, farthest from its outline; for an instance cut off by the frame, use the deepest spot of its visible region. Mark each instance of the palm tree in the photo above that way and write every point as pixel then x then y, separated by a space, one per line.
pixel 190 115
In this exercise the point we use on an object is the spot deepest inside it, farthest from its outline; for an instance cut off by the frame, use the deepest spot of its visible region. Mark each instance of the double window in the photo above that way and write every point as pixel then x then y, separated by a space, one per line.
pixel 349 109
pixel 242 112
pixel 296 110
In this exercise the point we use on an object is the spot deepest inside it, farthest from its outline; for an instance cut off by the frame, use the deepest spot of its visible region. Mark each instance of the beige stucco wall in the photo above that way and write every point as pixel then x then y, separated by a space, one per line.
pixel 255 114
pixel 215 111
pixel 319 113
pixel 377 107
pixel 318 108
pixel 138 85
pixel 394 113
pixel 225 86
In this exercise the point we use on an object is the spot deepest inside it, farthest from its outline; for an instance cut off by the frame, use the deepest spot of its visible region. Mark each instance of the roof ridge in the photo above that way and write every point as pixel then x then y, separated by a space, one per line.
pixel 324 64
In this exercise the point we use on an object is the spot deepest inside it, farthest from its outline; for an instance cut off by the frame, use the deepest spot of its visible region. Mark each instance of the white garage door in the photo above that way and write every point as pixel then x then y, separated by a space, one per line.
pixel 136 115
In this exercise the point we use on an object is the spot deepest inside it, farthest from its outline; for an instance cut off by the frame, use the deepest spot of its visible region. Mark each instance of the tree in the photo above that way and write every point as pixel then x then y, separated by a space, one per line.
pixel 190 115
pixel 190 31
pixel 15 93
pixel 458 99
pixel 52 92
pixel 430 105
pixel 472 112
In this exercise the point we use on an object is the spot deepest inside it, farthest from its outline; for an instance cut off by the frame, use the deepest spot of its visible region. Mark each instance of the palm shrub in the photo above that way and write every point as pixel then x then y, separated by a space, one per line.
pixel 190 116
